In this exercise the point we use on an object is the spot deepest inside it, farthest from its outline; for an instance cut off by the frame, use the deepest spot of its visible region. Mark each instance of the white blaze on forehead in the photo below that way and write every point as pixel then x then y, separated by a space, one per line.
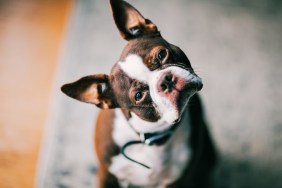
pixel 134 67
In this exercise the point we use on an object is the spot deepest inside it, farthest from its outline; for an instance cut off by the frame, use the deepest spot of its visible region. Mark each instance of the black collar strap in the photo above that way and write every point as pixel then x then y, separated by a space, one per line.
pixel 156 138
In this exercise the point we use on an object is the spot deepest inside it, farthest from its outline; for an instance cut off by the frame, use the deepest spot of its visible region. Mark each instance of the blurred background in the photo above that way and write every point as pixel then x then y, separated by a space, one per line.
pixel 31 33
pixel 235 46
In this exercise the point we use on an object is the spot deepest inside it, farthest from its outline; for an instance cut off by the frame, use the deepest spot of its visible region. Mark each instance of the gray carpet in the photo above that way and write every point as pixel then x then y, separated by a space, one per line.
pixel 235 47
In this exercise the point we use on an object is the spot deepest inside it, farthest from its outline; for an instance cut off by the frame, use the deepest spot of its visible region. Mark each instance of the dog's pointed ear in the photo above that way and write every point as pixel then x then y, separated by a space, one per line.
pixel 93 89
pixel 130 22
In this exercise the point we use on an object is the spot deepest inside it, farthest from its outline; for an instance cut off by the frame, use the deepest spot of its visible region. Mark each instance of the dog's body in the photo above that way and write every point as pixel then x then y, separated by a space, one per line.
pixel 155 133
pixel 186 159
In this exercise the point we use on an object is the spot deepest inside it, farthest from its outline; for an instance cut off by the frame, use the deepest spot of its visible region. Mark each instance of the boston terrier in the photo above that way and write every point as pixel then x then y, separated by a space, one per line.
pixel 151 131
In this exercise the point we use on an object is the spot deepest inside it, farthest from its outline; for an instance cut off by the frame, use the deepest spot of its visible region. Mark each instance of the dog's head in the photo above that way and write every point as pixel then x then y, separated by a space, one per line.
pixel 152 81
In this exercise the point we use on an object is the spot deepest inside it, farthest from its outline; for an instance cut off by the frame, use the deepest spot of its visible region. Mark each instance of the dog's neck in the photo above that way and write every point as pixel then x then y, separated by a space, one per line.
pixel 155 137
pixel 150 133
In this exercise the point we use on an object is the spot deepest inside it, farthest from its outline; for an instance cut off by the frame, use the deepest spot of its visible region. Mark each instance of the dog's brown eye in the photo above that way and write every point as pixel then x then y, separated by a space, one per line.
pixel 138 96
pixel 162 55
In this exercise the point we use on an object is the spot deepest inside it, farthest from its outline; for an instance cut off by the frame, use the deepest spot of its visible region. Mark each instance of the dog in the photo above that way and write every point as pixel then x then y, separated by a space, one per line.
pixel 152 132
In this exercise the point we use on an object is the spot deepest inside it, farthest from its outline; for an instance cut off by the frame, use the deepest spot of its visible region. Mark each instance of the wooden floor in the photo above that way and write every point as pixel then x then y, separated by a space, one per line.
pixel 31 33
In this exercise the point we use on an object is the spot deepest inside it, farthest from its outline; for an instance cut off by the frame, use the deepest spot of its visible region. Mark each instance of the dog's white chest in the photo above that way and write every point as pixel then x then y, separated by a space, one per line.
pixel 167 162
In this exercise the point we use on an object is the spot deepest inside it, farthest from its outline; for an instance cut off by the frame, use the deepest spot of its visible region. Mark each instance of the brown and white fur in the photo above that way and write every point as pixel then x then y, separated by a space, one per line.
pixel 151 89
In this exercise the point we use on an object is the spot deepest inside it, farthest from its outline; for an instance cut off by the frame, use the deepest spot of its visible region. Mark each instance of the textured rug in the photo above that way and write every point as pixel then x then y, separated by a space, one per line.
pixel 236 49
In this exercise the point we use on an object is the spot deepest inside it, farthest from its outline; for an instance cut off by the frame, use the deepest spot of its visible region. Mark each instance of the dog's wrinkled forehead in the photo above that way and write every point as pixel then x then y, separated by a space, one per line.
pixel 152 49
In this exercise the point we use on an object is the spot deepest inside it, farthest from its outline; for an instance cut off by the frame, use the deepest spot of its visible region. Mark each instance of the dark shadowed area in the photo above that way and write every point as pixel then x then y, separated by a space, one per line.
pixel 235 46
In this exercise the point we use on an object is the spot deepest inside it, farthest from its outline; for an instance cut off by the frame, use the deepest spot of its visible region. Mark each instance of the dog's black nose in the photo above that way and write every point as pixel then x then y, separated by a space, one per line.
pixel 167 83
